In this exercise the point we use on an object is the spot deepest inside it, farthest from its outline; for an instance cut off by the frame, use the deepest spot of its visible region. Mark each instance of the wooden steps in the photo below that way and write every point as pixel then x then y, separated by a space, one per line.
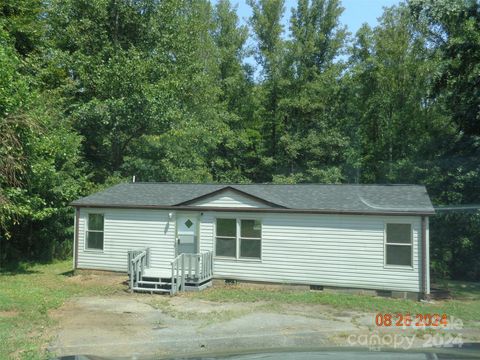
pixel 164 285
pixel 189 272
pixel 153 284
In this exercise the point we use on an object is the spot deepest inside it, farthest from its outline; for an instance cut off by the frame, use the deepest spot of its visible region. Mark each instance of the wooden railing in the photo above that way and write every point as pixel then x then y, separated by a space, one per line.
pixel 186 268
pixel 195 268
pixel 178 274
pixel 138 260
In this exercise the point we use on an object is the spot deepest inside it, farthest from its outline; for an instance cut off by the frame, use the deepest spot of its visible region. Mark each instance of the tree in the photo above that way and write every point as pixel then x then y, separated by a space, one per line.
pixel 453 32
pixel 14 93
pixel 40 170
pixel 313 141
pixel 40 222
pixel 266 22
pixel 104 50
pixel 186 94
pixel 20 20
pixel 453 28
pixel 230 40
pixel 237 153
pixel 398 125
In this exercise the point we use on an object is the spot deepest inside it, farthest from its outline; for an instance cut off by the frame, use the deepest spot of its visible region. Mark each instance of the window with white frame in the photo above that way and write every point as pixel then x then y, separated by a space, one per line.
pixel 238 238
pixel 250 239
pixel 94 239
pixel 226 238
pixel 398 246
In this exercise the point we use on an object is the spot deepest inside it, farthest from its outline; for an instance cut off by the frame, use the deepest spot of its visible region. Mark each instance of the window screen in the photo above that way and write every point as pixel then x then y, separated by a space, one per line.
pixel 95 232
pixel 248 241
pixel 399 244
pixel 226 238
pixel 250 238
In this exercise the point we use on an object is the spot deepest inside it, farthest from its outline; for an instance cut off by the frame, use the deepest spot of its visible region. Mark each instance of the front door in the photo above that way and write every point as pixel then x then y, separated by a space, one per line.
pixel 187 233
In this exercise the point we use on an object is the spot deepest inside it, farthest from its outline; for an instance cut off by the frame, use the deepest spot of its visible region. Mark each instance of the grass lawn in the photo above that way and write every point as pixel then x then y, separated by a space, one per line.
pixel 465 304
pixel 26 296
pixel 28 293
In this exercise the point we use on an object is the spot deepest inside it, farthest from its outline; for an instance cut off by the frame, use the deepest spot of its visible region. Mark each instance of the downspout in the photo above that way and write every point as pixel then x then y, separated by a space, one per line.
pixel 77 221
pixel 425 290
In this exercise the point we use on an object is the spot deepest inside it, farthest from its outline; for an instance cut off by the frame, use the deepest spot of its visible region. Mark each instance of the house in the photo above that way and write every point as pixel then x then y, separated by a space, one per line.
pixel 171 237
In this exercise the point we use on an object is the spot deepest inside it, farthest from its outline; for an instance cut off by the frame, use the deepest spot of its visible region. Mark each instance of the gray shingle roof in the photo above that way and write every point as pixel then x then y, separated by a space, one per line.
pixel 301 197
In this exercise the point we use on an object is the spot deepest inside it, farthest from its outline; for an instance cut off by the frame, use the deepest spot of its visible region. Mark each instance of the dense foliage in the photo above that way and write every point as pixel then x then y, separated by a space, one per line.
pixel 95 91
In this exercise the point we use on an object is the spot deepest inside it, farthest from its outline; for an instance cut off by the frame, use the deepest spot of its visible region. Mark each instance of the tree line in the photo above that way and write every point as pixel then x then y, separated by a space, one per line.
pixel 95 91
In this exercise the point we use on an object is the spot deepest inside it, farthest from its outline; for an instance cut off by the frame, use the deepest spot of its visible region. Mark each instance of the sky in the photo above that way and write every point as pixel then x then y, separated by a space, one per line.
pixel 355 14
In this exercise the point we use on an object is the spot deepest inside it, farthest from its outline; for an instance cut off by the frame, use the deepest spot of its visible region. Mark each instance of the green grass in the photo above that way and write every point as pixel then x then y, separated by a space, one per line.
pixel 27 294
pixel 462 290
pixel 465 305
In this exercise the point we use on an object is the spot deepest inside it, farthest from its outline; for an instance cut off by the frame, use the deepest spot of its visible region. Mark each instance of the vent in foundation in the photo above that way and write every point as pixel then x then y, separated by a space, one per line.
pixel 384 293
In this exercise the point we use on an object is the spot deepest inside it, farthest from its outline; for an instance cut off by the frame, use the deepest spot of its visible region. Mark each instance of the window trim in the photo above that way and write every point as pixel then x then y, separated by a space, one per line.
pixel 87 230
pixel 385 245
pixel 238 238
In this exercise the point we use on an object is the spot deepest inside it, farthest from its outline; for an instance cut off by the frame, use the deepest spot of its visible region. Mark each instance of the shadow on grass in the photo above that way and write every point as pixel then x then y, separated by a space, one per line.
pixel 17 268
pixel 460 290
pixel 68 273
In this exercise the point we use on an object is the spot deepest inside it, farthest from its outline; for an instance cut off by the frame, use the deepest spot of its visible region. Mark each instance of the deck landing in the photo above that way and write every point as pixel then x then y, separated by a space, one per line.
pixel 157 273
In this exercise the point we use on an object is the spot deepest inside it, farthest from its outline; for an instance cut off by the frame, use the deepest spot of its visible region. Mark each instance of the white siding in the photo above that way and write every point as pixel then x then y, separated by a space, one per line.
pixel 229 199
pixel 126 229
pixel 330 250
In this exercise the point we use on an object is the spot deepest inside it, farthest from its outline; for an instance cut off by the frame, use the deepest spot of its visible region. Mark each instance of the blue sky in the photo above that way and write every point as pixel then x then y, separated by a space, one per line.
pixel 355 14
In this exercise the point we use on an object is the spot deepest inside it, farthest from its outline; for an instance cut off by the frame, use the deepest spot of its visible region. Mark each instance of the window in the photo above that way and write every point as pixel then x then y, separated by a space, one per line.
pixel 95 232
pixel 226 244
pixel 250 238
pixel 399 244
pixel 239 238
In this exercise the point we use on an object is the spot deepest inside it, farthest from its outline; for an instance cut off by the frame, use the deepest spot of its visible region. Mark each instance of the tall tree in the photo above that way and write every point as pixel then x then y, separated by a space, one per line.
pixel 266 22
pixel 453 32
pixel 238 150
pixel 313 142
pixel 230 39
pixel 102 48
pixel 40 163
pixel 391 73
pixel 186 99
pixel 453 28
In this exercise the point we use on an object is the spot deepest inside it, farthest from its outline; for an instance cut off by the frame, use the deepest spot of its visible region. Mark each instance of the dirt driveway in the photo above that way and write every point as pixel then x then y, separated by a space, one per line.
pixel 143 325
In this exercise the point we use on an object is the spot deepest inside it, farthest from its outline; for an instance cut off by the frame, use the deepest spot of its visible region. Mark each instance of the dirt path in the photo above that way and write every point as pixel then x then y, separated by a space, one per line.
pixel 142 325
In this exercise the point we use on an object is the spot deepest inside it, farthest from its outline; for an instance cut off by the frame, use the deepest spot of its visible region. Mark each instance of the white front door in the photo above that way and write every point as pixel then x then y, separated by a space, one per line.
pixel 187 233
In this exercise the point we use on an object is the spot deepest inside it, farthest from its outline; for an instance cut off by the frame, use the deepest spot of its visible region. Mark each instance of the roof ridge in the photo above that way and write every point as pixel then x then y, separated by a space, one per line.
pixel 241 184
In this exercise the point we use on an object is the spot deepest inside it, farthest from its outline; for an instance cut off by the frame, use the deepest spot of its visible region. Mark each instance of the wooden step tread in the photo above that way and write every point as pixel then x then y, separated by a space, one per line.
pixel 157 273
pixel 150 290
pixel 153 282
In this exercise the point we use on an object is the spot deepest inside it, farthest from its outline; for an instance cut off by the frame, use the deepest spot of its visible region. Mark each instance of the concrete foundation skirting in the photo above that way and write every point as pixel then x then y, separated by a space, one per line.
pixel 259 285
pixel 99 272
pixel 327 289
